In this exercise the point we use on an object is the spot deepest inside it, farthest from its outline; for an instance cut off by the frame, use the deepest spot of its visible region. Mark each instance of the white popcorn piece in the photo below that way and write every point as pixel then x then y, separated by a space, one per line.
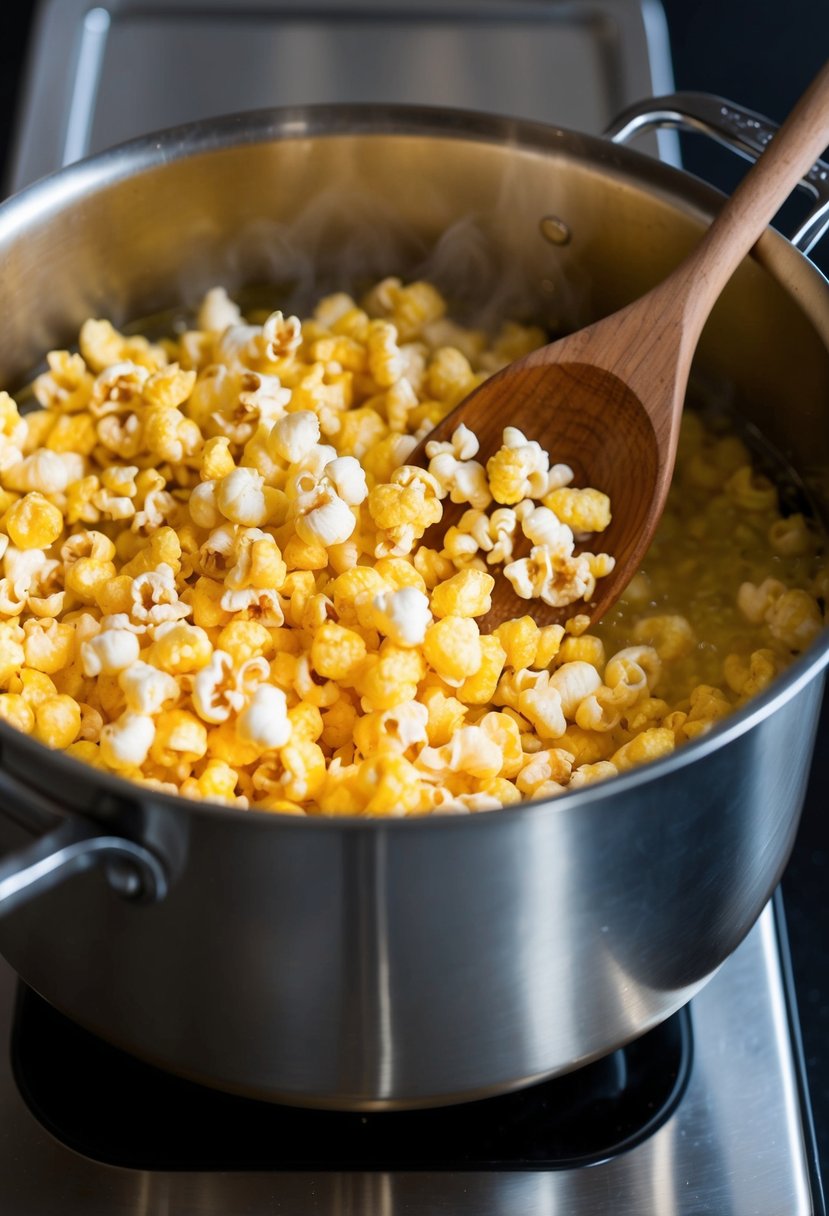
pixel 599 711
pixel 574 681
pixel 214 395
pixel 22 565
pixel 281 335
pixel 323 518
pixel 635 669
pixel 117 389
pixel 462 480
pixel 109 652
pixel 261 399
pixel 264 721
pixel 146 689
pixel 113 506
pixel 238 345
pixel 202 505
pixel 12 598
pixel 405 615
pixel 218 553
pixel 306 474
pixel 44 470
pixel 217 311
pixel 10 454
pixel 158 506
pixel 215 695
pixel 348 478
pixel 121 433
pixel 121 620
pixel 126 742
pixel 255 603
pixel 543 527
pixel 407 724
pixel 541 706
pixel 559 475
pixel 470 750
pixel 556 579
pixel 293 437
pixel 402 447
pixel 240 497
pixel 462 446
pixel 155 597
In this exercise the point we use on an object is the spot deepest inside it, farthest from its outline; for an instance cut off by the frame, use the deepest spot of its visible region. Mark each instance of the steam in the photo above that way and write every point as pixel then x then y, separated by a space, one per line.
pixel 490 262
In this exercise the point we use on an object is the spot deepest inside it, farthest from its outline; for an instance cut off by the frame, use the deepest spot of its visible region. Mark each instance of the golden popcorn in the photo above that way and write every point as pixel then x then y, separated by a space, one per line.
pixel 215 582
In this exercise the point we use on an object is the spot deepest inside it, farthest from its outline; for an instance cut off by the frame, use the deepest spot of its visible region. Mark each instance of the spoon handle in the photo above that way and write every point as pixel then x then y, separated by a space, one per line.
pixel 789 155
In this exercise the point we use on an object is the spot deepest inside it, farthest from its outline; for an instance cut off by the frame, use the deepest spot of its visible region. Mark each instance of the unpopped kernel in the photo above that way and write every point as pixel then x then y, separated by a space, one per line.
pixel 216 579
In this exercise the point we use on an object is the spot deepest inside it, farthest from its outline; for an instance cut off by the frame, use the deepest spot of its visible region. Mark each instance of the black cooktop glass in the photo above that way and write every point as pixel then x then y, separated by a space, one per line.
pixel 109 1106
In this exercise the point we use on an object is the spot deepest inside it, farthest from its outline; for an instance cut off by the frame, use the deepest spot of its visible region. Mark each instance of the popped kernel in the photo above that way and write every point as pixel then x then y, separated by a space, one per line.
pixel 33 522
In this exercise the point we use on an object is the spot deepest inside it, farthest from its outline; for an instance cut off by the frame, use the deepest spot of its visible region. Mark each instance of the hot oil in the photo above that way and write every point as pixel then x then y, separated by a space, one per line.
pixel 714 537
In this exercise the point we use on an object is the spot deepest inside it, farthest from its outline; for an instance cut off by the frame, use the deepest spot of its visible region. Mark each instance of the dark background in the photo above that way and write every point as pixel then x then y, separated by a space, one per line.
pixel 761 54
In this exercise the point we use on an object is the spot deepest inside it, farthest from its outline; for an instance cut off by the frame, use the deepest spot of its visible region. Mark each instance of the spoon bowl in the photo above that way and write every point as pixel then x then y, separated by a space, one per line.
pixel 608 400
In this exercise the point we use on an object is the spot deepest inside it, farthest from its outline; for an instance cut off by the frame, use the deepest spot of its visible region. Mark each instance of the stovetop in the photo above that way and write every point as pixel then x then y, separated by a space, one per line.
pixel 705 1114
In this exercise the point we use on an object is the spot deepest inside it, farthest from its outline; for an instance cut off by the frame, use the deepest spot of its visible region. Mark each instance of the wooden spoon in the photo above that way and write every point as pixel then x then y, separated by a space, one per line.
pixel 607 400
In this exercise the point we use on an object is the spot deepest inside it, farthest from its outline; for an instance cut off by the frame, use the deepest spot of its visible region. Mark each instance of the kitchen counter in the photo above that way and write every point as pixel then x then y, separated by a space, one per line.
pixel 762 55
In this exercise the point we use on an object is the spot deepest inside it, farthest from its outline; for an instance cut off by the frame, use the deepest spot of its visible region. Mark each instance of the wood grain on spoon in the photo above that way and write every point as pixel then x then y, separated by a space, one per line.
pixel 607 400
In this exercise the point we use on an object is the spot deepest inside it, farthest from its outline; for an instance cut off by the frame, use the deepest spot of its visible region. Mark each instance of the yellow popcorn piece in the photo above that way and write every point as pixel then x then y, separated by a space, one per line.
pixel 389 678
pixel 465 594
pixel 337 652
pixel 479 689
pixel 57 721
pixel 582 510
pixel 650 745
pixel 180 648
pixel 33 522
pixel 16 710
pixel 452 647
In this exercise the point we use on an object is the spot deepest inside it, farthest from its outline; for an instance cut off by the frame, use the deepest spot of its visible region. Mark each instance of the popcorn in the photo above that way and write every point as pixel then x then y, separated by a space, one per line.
pixel 109 652
pixel 146 689
pixel 44 471
pixel 264 721
pixel 518 469
pixel 294 436
pixel 240 498
pixel 217 312
pixel 403 615
pixel 125 743
pixel 213 575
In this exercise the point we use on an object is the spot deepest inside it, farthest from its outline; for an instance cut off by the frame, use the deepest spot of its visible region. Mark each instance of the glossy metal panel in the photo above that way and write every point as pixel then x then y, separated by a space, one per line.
pixel 549 60
pixel 734 1146
pixel 378 964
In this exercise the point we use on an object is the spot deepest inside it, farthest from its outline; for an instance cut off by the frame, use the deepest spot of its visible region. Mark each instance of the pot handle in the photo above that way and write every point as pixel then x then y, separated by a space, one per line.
pixel 75 844
pixel 741 130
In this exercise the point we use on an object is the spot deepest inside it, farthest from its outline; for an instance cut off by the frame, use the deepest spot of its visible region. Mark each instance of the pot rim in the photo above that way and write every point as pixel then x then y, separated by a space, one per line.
pixel 146 153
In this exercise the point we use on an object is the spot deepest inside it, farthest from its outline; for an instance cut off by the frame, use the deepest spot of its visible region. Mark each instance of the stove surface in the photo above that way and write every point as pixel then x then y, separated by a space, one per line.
pixel 94 1099
pixel 733 1137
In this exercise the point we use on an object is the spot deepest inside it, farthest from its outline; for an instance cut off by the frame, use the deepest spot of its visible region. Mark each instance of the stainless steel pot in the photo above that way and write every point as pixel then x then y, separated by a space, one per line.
pixel 376 964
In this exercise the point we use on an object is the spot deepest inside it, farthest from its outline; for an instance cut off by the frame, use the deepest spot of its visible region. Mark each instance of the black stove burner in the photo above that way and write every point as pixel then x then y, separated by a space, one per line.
pixel 112 1107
